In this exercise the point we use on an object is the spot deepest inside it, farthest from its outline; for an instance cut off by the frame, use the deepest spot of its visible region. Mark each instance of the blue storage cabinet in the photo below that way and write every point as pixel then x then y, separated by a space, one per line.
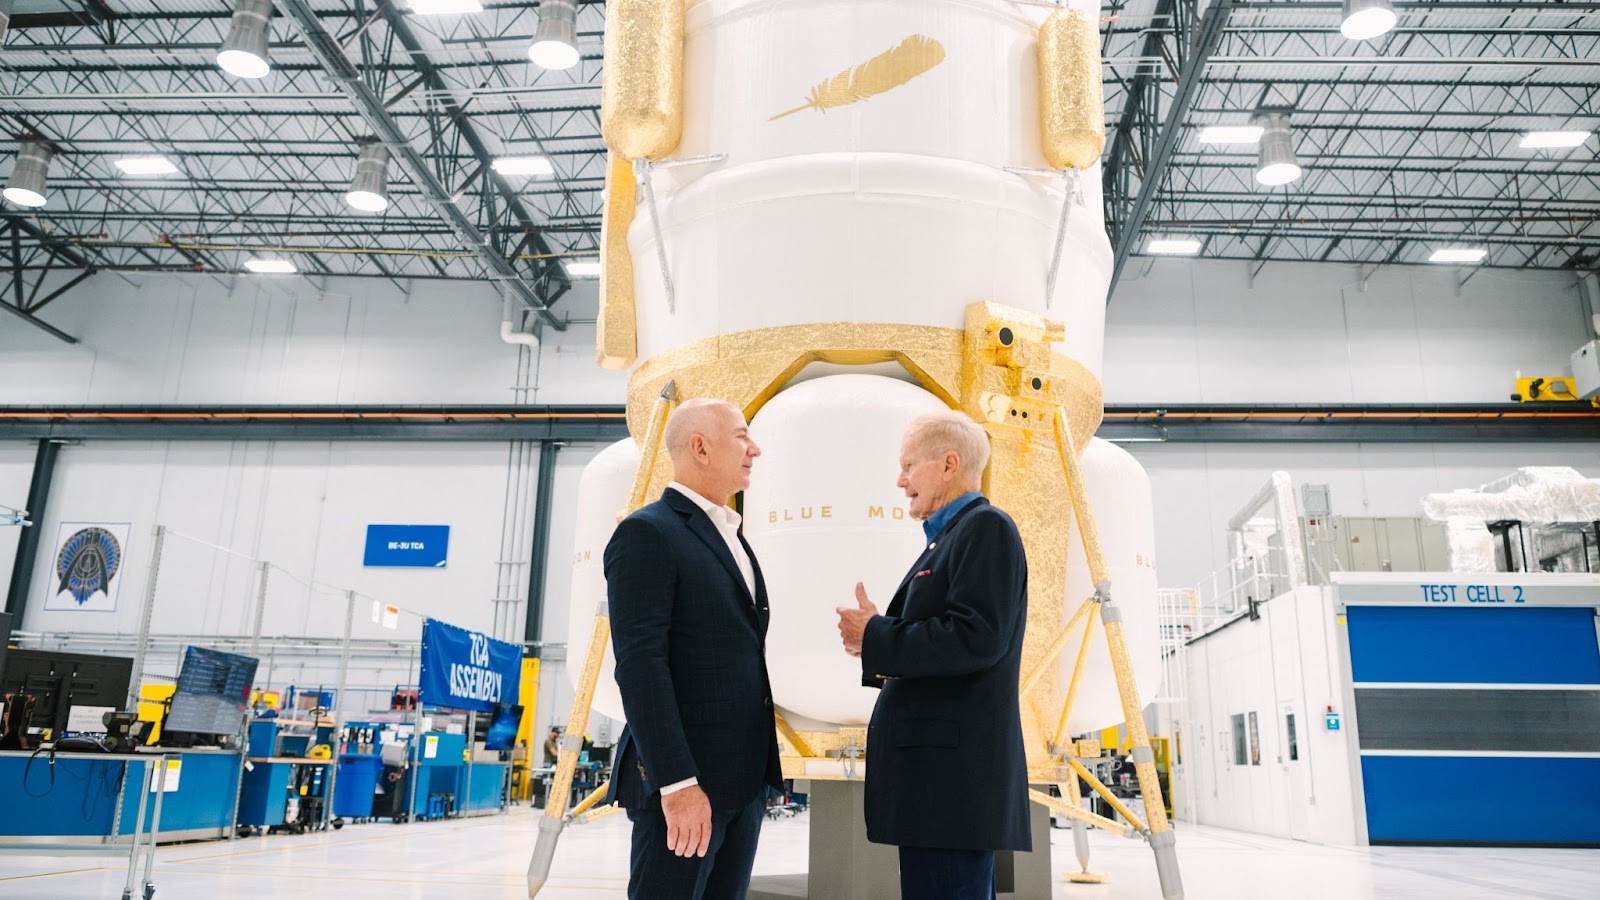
pixel 438 774
pixel 78 798
pixel 264 796
pixel 488 780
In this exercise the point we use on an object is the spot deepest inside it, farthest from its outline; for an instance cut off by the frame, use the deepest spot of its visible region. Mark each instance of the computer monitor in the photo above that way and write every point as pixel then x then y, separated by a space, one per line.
pixel 60 682
pixel 213 691
pixel 502 734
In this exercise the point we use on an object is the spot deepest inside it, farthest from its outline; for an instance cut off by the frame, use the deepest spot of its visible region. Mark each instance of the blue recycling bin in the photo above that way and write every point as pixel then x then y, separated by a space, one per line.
pixel 356 784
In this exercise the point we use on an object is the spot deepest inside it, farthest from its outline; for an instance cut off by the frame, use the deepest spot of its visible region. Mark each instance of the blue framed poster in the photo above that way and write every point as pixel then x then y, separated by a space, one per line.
pixel 463 669
pixel 407 546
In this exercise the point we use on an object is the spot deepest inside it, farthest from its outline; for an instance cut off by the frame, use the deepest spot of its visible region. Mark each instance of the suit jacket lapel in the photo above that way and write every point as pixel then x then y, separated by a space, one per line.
pixel 899 592
pixel 761 605
pixel 700 524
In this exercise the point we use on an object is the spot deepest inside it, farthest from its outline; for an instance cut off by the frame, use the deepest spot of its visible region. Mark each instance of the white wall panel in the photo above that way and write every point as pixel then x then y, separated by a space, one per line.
pixel 1195 331
pixel 1272 666
pixel 304 507
pixel 259 340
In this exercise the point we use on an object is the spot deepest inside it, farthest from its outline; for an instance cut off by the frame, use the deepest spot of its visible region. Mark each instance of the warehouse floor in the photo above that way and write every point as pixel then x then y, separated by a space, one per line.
pixel 485 858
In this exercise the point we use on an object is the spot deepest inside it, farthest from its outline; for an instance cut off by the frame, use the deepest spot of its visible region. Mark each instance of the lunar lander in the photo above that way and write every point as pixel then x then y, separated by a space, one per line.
pixel 838 216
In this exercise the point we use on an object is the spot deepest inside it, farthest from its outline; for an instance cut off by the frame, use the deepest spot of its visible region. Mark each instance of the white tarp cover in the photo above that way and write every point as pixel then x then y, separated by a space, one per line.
pixel 1536 495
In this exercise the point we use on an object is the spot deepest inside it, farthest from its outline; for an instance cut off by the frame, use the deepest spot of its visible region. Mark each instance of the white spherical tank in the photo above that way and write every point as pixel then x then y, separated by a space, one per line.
pixel 822 513
pixel 602 495
pixel 1119 491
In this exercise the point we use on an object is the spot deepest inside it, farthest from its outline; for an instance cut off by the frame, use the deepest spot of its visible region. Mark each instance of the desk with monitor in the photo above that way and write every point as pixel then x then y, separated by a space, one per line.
pixel 82 797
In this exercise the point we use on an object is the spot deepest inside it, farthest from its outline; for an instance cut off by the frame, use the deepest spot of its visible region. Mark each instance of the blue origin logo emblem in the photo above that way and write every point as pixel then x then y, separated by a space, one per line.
pixel 88 561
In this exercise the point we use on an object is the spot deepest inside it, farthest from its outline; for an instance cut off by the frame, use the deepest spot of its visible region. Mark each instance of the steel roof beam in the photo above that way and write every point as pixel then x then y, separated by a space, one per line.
pixel 1193 61
pixel 343 71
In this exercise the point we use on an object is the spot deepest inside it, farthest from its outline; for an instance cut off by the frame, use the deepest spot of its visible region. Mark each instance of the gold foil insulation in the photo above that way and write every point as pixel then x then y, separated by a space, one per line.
pixel 641 94
pixel 1072 113
pixel 617 338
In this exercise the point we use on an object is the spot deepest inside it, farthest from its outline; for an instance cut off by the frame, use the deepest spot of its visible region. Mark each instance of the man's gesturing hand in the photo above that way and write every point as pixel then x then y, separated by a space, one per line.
pixel 853 620
pixel 688 814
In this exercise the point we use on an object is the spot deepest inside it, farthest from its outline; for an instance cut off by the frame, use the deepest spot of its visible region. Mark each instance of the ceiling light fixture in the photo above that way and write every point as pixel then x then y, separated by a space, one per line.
pixel 1173 246
pixel 1553 140
pixel 583 267
pixel 1230 134
pixel 1276 163
pixel 244 51
pixel 270 266
pixel 146 165
pixel 555 41
pixel 532 166
pixel 29 176
pixel 1367 19
pixel 5 17
pixel 369 190
pixel 1459 255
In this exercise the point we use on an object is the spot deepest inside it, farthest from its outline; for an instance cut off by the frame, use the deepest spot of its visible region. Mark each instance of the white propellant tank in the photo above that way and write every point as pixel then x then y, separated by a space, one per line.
pixel 1119 491
pixel 894 208
pixel 904 202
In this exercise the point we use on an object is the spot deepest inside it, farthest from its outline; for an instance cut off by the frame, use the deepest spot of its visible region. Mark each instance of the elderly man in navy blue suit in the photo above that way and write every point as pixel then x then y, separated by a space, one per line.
pixel 689 623
pixel 947 776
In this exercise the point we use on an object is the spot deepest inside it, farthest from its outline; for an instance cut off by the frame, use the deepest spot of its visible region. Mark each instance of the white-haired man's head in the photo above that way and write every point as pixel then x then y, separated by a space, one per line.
pixel 942 457
pixel 712 453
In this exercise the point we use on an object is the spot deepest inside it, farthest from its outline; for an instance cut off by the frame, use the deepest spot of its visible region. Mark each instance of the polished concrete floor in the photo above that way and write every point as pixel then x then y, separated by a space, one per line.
pixel 485 858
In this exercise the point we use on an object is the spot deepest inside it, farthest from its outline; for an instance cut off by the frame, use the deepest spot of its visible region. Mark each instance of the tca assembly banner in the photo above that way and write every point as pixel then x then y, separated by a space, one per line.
pixel 463 669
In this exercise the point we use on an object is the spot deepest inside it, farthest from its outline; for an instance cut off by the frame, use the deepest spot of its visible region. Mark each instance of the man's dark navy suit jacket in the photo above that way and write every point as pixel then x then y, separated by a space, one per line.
pixel 946 767
pixel 690 647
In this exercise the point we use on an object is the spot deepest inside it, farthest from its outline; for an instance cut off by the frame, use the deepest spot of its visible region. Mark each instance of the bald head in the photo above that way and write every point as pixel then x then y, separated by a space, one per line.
pixel 710 446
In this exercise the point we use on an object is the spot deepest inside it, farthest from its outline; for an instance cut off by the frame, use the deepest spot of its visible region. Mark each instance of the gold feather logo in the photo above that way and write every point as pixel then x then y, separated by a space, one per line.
pixel 884 72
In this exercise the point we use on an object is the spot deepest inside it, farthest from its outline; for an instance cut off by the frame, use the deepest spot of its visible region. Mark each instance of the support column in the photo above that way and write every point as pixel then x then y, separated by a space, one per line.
pixel 44 468
pixel 538 561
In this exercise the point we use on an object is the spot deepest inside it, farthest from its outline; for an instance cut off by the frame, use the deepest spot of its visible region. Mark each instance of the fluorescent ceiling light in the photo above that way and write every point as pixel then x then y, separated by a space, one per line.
pixel 369 190
pixel 146 165
pixel 30 175
pixel 1553 140
pixel 1173 246
pixel 1367 19
pixel 366 201
pixel 555 39
pixel 270 266
pixel 1459 255
pixel 24 196
pixel 1231 134
pixel 535 166
pixel 244 51
pixel 445 7
pixel 583 267
pixel 1275 160
pixel 1275 174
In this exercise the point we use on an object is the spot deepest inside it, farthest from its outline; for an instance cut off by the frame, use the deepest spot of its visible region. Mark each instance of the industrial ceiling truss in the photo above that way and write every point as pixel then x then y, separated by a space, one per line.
pixel 264 165
pixel 1408 142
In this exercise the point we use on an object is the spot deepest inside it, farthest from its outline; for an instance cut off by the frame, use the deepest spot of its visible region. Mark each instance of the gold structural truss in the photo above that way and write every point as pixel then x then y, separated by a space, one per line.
pixel 556 816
